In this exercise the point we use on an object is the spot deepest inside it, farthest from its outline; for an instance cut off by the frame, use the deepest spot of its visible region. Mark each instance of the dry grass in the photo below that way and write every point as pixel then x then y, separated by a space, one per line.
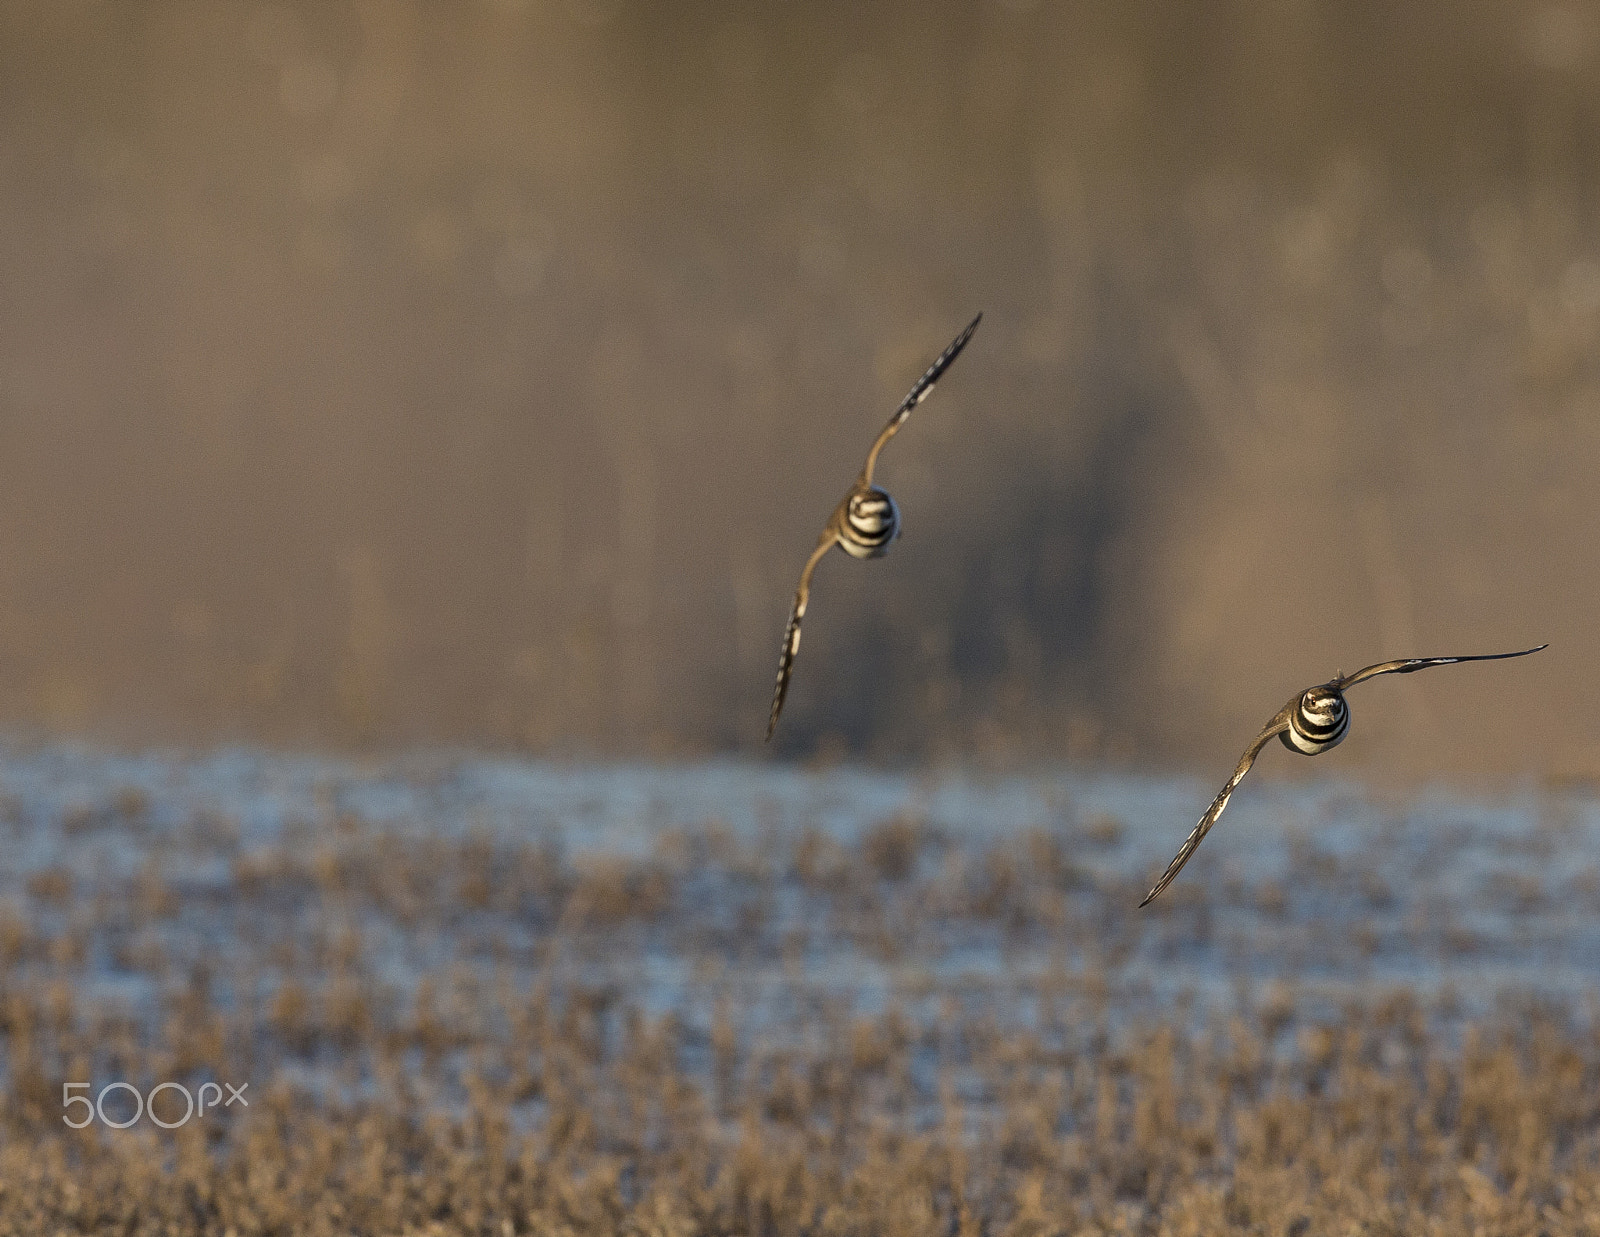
pixel 794 1034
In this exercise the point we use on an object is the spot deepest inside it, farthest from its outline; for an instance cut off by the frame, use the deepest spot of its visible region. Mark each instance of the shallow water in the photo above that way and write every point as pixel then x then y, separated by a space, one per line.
pixel 667 973
pixel 1318 886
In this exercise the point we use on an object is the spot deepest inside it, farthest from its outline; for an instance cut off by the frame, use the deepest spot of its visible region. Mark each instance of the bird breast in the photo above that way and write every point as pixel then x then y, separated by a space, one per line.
pixel 1319 720
pixel 871 521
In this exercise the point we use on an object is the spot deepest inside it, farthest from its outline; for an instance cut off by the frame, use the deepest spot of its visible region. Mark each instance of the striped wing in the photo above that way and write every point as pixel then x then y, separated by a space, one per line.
pixel 1414 664
pixel 1276 726
pixel 919 392
pixel 791 634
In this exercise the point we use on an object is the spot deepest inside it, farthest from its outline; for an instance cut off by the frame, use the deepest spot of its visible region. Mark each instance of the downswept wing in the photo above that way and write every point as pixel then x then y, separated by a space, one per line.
pixel 1414 664
pixel 1276 726
pixel 791 634
pixel 919 392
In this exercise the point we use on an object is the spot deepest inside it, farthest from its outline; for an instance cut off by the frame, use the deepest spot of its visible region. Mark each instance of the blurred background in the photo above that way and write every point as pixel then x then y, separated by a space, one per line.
pixel 386 373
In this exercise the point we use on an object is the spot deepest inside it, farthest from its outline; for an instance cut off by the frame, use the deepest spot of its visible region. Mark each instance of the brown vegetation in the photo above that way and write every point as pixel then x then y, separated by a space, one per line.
pixel 908 1034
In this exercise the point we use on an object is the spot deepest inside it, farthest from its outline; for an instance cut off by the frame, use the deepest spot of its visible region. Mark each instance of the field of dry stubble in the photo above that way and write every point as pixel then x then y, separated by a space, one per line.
pixel 484 999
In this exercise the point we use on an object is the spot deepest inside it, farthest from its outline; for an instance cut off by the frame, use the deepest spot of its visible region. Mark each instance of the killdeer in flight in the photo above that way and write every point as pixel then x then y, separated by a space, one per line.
pixel 1312 722
pixel 865 521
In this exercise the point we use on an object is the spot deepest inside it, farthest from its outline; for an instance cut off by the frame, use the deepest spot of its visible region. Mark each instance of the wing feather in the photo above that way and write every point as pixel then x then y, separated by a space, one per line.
pixel 791 634
pixel 919 392
pixel 1413 664
pixel 1277 725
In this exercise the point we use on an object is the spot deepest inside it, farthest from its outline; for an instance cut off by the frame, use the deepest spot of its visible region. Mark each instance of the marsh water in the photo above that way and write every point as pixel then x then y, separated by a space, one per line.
pixel 675 887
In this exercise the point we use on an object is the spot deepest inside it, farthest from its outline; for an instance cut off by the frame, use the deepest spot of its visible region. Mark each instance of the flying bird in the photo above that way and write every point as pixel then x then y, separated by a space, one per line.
pixel 865 521
pixel 1312 722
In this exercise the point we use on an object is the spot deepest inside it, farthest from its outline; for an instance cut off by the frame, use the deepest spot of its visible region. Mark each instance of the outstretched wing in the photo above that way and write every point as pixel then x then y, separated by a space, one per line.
pixel 1419 663
pixel 791 635
pixel 1277 725
pixel 918 393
